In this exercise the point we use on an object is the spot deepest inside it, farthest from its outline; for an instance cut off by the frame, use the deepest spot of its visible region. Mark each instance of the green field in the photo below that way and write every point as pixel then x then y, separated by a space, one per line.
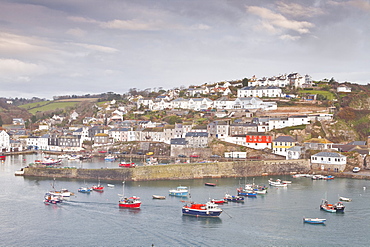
pixel 327 94
pixel 48 105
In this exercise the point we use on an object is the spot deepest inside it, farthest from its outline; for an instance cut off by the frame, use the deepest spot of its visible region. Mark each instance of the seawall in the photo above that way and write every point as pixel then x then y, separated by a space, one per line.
pixel 178 171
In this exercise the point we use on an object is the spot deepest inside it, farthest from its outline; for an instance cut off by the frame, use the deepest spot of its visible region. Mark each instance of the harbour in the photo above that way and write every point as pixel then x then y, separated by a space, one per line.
pixel 273 219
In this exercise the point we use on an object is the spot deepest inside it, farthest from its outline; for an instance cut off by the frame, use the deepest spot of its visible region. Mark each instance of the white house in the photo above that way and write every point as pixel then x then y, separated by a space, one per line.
pixel 294 153
pixel 4 141
pixel 328 161
pixel 343 89
pixel 260 91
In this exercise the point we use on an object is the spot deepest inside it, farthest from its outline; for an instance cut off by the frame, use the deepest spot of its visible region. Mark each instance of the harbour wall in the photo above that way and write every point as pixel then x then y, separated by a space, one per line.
pixel 177 171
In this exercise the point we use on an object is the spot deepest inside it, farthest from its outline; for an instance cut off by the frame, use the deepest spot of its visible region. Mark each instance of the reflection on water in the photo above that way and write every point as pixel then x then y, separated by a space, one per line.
pixel 201 220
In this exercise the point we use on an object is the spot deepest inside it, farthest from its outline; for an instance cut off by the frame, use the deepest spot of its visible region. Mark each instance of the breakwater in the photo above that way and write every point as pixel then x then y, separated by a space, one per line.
pixel 177 171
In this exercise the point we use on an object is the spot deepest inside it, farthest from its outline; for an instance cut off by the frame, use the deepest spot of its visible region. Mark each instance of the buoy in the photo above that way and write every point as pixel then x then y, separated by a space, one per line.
pixel 364 188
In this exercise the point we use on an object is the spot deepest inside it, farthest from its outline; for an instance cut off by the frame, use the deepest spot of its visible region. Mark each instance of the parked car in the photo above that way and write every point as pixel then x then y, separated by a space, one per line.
pixel 140 153
pixel 356 169
pixel 194 156
pixel 215 156
pixel 181 156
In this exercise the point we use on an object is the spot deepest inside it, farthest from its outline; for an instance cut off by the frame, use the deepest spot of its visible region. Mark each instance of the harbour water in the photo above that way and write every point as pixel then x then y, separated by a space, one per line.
pixel 274 219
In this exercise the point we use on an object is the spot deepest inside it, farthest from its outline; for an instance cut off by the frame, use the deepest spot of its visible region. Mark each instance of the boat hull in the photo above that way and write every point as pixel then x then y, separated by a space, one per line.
pixel 314 221
pixel 129 205
pixel 200 213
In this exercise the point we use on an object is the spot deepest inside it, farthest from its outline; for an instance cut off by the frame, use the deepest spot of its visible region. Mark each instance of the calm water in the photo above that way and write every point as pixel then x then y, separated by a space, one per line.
pixel 94 219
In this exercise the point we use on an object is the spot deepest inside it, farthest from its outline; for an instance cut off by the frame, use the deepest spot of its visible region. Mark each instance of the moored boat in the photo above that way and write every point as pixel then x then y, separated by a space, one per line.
pixel 84 190
pixel 219 201
pixel 208 209
pixel 110 185
pixel 210 184
pixel 158 197
pixel 129 165
pixel 277 183
pixel 345 199
pixel 128 202
pixel 98 188
pixel 332 208
pixel 314 220
pixel 247 193
pixel 231 198
pixel 180 191
pixel 109 158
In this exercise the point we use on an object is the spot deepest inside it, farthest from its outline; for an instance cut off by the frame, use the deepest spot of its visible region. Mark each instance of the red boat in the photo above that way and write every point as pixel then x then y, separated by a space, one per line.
pixel 98 188
pixel 2 157
pixel 128 202
pixel 219 201
pixel 129 165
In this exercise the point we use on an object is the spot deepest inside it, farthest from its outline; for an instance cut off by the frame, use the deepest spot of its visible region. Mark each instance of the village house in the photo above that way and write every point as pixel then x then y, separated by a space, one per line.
pixel 295 153
pixel 260 91
pixel 328 161
pixel 343 89
pixel 4 141
pixel 281 144
pixel 197 139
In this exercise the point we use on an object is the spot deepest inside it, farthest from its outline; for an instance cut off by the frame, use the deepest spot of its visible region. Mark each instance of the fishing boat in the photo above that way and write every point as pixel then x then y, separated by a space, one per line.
pixel 210 184
pixel 2 157
pixel 19 172
pixel 248 193
pixel 98 187
pixel 332 208
pixel 109 158
pixel 62 193
pixel 219 201
pixel 231 198
pixel 128 202
pixel 159 197
pixel 84 190
pixel 52 199
pixel 277 183
pixel 314 220
pixel 47 161
pixel 180 191
pixel 208 209
pixel 345 199
pixel 129 165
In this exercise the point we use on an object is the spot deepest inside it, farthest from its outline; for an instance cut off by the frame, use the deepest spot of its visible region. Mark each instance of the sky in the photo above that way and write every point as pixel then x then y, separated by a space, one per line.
pixel 77 47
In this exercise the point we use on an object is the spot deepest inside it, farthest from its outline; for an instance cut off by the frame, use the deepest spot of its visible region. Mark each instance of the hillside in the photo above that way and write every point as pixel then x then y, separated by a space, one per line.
pixel 8 112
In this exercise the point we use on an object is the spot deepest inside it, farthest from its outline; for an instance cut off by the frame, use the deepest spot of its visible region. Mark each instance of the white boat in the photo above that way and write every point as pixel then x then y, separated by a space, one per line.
pixel 19 172
pixel 158 197
pixel 344 199
pixel 110 185
pixel 277 183
pixel 179 191
pixel 314 220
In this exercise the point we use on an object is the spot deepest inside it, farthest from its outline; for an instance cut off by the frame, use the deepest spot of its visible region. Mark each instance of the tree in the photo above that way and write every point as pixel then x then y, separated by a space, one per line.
pixel 245 82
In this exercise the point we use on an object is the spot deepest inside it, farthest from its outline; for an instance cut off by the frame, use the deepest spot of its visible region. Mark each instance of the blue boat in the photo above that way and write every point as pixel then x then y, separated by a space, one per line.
pixel 84 190
pixel 314 220
pixel 181 191
pixel 208 209
pixel 248 193
pixel 231 198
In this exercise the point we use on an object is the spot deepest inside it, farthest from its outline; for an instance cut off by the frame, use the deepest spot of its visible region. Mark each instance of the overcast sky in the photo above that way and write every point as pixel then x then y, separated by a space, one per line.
pixel 61 47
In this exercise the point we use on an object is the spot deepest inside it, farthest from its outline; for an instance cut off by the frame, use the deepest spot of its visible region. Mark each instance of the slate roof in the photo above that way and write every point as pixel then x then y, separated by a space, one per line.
pixel 178 141
pixel 196 134
pixel 329 154
pixel 284 139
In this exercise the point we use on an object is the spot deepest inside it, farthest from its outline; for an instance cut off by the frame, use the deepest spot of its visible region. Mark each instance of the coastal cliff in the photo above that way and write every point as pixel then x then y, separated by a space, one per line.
pixel 178 171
